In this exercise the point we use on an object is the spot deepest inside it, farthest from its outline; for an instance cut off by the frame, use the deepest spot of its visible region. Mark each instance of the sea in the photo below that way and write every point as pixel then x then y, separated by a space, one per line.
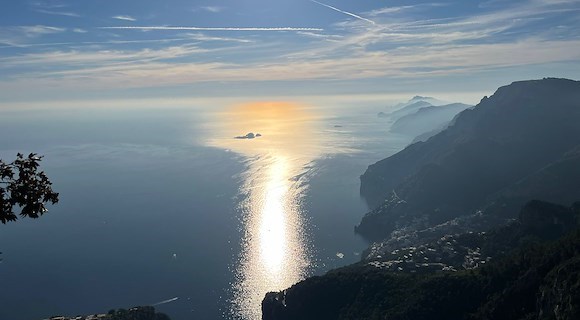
pixel 171 203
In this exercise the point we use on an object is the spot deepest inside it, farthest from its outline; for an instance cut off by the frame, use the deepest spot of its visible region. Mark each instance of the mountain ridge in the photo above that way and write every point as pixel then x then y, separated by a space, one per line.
pixel 459 230
pixel 427 119
pixel 519 130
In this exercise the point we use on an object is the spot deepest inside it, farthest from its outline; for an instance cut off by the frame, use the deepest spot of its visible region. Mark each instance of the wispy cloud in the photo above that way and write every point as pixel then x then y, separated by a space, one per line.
pixel 124 18
pixel 213 9
pixel 48 4
pixel 91 43
pixel 89 59
pixel 403 43
pixel 79 30
pixel 321 36
pixel 203 37
pixel 491 26
pixel 58 13
pixel 150 28
pixel 52 8
pixel 344 12
pixel 400 9
pixel 387 10
pixel 18 35
pixel 111 68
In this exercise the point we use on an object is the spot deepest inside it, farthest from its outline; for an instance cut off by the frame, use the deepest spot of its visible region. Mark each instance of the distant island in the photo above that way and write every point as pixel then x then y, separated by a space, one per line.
pixel 481 220
pixel 422 117
pixel 250 135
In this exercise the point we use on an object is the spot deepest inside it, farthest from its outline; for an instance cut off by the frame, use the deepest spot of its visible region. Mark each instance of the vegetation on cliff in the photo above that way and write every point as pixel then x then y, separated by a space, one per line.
pixel 531 278
pixel 136 313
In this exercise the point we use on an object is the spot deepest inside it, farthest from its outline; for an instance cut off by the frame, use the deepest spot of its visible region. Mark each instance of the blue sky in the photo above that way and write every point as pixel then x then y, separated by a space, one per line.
pixel 91 49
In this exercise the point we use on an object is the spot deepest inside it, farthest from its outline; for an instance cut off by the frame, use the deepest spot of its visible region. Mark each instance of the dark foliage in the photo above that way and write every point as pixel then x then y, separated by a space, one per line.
pixel 23 186
pixel 538 280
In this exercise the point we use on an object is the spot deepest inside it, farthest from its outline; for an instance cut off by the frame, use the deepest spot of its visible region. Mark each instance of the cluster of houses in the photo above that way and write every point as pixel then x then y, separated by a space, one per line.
pixel 445 254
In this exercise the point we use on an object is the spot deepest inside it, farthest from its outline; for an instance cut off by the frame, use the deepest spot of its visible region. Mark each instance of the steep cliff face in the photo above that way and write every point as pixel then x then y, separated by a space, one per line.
pixel 508 144
pixel 521 143
pixel 533 273
pixel 558 181
pixel 558 296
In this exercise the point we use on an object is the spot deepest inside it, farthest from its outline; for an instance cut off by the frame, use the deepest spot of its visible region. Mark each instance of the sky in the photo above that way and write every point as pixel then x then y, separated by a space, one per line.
pixel 53 50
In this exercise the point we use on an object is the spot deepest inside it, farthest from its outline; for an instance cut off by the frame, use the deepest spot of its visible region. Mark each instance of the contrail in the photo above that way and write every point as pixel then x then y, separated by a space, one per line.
pixel 215 29
pixel 93 42
pixel 345 12
pixel 126 18
pixel 165 301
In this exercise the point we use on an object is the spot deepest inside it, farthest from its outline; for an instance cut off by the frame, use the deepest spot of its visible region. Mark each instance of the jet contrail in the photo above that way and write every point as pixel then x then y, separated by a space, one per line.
pixel 345 12
pixel 215 29
pixel 165 301
pixel 93 42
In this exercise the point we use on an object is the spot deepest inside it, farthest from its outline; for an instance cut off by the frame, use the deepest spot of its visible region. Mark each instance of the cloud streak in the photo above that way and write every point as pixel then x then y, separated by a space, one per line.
pixel 83 43
pixel 137 69
pixel 58 13
pixel 344 12
pixel 203 37
pixel 124 18
pixel 154 28
pixel 212 9
pixel 19 35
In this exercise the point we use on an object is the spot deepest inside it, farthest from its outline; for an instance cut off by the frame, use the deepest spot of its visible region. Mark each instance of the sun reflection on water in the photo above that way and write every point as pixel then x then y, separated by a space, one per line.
pixel 272 220
pixel 275 249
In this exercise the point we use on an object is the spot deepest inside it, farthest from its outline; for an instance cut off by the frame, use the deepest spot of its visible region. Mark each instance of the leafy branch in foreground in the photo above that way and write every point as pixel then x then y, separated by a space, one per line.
pixel 24 187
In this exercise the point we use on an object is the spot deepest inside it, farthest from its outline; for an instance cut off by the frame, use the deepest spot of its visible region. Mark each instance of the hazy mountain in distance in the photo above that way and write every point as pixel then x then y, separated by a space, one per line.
pixel 409 109
pixel 413 105
pixel 503 143
pixel 427 119
pixel 430 100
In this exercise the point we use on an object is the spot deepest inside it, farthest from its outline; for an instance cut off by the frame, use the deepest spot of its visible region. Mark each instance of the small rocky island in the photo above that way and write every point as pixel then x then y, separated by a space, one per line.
pixel 250 135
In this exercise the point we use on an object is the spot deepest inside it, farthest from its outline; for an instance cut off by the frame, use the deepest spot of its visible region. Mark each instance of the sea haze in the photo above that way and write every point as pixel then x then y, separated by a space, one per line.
pixel 160 205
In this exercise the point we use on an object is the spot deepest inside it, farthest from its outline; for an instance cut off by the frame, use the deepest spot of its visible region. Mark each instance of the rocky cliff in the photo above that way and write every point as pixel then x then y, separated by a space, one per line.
pixel 454 241
pixel 506 150
pixel 531 272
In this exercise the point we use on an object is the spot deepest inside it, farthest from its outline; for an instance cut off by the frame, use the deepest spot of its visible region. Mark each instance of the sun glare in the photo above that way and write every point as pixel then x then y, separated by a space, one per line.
pixel 273 225
pixel 285 128
pixel 275 251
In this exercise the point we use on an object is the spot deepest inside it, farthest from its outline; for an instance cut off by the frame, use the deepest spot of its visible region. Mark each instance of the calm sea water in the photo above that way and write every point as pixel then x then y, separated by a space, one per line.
pixel 161 206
